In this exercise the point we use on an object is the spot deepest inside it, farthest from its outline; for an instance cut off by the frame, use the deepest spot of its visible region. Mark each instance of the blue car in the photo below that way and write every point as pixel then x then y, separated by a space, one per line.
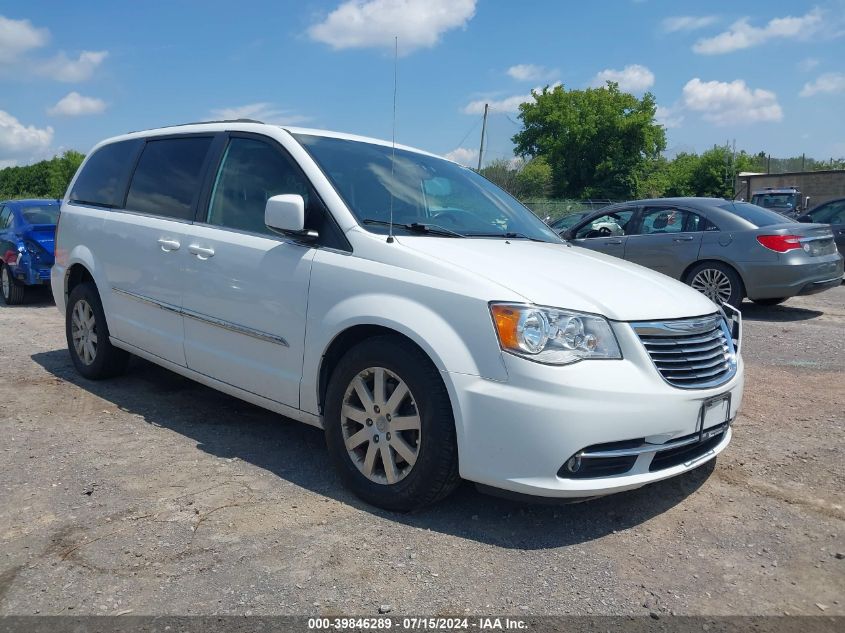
pixel 27 237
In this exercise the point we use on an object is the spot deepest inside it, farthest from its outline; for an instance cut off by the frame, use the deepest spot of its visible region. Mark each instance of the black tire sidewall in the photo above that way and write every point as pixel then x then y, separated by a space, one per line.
pixel 16 289
pixel 737 288
pixel 102 365
pixel 436 463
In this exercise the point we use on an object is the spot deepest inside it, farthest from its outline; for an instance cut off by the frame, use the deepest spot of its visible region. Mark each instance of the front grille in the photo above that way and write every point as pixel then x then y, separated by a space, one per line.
pixel 690 353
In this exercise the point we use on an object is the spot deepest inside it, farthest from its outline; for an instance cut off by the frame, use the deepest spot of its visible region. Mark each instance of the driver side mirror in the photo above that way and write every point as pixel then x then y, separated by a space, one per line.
pixel 285 214
pixel 805 218
pixel 567 234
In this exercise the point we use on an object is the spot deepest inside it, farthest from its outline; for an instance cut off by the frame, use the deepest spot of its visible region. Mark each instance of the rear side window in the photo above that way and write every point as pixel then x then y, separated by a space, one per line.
pixel 696 223
pixel 833 213
pixel 102 182
pixel 167 179
pixel 5 217
pixel 758 216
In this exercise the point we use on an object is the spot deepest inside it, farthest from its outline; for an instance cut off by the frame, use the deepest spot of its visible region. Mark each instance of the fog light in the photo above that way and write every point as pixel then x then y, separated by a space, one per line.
pixel 573 464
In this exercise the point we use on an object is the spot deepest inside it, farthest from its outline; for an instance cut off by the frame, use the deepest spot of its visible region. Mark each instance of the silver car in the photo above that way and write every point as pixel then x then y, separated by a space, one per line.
pixel 727 250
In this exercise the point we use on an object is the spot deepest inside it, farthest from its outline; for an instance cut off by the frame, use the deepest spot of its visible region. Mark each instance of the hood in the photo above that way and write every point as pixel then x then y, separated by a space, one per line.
pixel 42 234
pixel 563 276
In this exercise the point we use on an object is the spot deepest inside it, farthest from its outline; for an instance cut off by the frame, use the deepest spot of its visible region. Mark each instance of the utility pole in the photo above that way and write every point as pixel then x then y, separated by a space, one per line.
pixel 483 132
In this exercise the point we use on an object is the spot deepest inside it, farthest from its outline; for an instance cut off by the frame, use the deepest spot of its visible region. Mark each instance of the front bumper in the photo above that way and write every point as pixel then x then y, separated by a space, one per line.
pixel 517 435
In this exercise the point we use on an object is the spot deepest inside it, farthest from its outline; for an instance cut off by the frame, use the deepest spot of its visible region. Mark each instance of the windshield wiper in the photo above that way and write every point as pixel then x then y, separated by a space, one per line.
pixel 506 235
pixel 418 227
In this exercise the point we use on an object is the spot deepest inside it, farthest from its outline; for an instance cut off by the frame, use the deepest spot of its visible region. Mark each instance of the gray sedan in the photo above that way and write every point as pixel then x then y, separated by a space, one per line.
pixel 726 250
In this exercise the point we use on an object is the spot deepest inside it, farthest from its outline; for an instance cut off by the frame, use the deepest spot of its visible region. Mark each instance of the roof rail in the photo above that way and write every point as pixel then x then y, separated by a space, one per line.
pixel 199 123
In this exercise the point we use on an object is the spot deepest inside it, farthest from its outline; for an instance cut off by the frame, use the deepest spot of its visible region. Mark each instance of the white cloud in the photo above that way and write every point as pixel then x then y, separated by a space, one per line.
pixel 63 68
pixel 742 34
pixel 687 22
pixel 508 105
pixel 21 142
pixel 374 23
pixel 262 111
pixel 828 83
pixel 669 117
pixel 75 104
pixel 808 64
pixel 19 36
pixel 726 103
pixel 633 78
pixel 530 72
pixel 464 156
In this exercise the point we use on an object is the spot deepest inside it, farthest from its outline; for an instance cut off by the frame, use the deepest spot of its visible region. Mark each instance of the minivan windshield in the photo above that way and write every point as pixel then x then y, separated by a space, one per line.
pixel 425 192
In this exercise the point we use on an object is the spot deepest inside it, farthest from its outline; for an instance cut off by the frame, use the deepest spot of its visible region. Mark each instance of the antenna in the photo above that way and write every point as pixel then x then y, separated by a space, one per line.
pixel 393 140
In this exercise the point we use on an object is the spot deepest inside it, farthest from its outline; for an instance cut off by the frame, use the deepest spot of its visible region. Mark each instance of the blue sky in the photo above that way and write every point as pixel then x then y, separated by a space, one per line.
pixel 770 74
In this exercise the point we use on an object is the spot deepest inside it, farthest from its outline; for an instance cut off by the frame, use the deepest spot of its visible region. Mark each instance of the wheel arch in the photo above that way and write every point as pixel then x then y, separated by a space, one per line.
pixel 714 260
pixel 346 340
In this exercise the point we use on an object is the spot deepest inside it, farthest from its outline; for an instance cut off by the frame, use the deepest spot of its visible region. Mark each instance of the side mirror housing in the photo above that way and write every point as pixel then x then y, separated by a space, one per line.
pixel 567 235
pixel 805 218
pixel 285 214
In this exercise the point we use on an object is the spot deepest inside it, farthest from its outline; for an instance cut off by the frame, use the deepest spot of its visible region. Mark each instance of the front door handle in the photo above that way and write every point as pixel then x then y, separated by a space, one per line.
pixel 201 252
pixel 613 243
pixel 168 245
pixel 685 238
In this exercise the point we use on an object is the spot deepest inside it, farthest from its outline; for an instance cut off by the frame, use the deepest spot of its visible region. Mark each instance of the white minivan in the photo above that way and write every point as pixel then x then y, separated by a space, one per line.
pixel 427 321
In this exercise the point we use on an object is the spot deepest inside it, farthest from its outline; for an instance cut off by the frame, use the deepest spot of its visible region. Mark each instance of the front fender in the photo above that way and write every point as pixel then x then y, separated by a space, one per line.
pixel 476 352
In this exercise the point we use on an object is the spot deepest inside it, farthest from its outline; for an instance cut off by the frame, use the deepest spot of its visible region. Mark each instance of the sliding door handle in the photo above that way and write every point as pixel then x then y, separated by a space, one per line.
pixel 202 252
pixel 685 238
pixel 168 245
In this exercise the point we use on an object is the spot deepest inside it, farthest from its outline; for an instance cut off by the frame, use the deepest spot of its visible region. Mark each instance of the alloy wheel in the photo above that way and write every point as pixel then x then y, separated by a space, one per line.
pixel 381 425
pixel 714 284
pixel 83 327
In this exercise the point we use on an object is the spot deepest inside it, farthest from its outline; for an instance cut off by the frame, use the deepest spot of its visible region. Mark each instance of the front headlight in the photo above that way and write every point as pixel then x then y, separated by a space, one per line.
pixel 551 335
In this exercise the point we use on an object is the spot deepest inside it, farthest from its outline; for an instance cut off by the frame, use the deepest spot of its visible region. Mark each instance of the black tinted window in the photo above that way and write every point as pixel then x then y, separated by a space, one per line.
pixel 758 216
pixel 251 173
pixel 102 181
pixel 831 213
pixel 167 179
pixel 5 215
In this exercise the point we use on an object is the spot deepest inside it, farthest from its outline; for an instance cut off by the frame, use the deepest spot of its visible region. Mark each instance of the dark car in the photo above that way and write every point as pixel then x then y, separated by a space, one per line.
pixel 27 235
pixel 832 213
pixel 727 250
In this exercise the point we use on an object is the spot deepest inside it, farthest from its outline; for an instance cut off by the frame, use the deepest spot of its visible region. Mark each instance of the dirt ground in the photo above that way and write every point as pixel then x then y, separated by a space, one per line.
pixel 151 494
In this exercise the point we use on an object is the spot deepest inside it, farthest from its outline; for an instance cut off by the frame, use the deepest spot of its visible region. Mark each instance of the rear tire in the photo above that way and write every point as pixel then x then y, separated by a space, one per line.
pixel 718 282
pixel 403 411
pixel 13 290
pixel 87 333
pixel 770 302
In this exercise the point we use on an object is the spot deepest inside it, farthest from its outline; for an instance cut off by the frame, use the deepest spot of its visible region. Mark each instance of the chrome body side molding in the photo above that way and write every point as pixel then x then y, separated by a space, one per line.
pixel 203 318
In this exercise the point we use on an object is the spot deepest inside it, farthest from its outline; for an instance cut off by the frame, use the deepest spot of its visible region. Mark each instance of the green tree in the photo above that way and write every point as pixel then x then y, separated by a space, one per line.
pixel 598 141
pixel 534 180
pixel 502 174
pixel 61 170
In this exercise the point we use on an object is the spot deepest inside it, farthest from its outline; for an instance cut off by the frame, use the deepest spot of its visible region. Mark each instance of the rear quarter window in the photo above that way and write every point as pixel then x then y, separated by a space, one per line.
pixel 758 216
pixel 167 179
pixel 102 181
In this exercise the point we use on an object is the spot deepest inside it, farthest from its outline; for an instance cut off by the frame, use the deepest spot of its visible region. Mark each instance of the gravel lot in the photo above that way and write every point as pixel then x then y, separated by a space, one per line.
pixel 151 494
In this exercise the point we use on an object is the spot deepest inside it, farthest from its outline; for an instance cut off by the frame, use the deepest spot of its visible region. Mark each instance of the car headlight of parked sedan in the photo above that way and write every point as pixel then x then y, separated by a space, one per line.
pixel 553 336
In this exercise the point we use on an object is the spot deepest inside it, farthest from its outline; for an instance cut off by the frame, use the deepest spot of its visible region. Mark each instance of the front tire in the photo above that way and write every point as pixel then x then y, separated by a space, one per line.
pixel 389 425
pixel 13 290
pixel 718 282
pixel 87 333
